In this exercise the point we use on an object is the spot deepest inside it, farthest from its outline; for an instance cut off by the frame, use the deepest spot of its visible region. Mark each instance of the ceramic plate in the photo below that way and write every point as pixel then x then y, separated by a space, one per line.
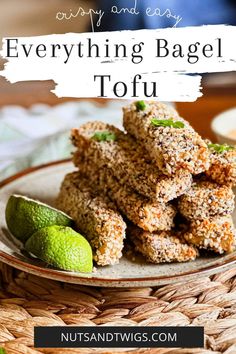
pixel 43 183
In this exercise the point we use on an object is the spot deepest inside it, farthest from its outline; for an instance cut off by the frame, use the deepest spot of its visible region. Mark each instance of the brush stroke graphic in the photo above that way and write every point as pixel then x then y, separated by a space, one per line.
pixel 125 64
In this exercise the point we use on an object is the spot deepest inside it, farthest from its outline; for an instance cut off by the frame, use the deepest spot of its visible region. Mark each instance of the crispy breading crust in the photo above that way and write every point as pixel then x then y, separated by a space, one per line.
pixel 128 162
pixel 162 246
pixel 216 234
pixel 222 167
pixel 206 199
pixel 171 149
pixel 148 215
pixel 96 218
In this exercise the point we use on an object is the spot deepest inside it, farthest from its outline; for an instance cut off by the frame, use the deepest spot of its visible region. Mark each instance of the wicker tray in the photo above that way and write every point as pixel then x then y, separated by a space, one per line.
pixel 27 301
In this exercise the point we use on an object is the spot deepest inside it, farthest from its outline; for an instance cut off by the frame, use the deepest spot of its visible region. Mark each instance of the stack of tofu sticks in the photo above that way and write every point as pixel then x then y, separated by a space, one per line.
pixel 136 184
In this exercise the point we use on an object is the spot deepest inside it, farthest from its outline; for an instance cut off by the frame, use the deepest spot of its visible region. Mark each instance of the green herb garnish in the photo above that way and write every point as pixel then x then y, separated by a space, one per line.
pixel 140 105
pixel 167 123
pixel 104 136
pixel 220 148
pixel 3 351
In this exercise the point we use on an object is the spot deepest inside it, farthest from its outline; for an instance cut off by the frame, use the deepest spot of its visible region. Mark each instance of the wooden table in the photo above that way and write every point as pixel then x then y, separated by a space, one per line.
pixel 199 113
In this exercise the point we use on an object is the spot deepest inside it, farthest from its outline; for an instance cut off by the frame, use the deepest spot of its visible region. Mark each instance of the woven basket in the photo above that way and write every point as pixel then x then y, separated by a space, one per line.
pixel 27 301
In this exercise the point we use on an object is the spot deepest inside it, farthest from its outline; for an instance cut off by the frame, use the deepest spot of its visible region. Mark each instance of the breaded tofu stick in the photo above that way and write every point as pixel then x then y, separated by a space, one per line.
pixel 96 218
pixel 222 164
pixel 216 234
pixel 162 246
pixel 148 215
pixel 206 199
pixel 171 142
pixel 127 161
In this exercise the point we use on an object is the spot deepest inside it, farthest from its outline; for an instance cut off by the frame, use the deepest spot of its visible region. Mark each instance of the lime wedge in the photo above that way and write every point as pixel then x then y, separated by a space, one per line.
pixel 25 216
pixel 61 247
